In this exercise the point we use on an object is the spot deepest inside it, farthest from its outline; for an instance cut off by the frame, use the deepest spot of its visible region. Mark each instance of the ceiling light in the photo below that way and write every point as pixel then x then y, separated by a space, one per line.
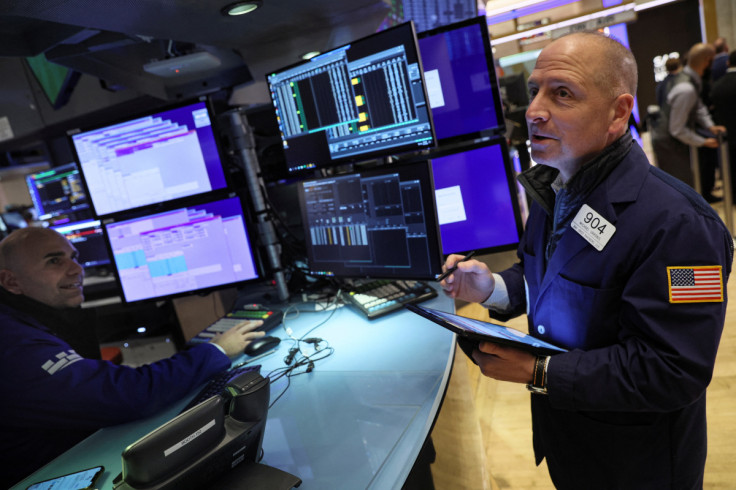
pixel 241 8
pixel 510 6
pixel 310 55
pixel 629 7
pixel 655 3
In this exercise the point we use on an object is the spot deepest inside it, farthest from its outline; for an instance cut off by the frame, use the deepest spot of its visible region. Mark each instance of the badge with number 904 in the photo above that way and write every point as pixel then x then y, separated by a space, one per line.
pixel 590 225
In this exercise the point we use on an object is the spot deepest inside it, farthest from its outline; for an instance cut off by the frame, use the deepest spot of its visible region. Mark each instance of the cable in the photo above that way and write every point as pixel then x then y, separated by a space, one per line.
pixel 291 371
pixel 334 309
pixel 296 357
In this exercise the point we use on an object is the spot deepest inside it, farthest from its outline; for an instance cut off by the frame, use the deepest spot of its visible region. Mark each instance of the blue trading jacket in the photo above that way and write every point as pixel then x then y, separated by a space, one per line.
pixel 52 397
pixel 626 405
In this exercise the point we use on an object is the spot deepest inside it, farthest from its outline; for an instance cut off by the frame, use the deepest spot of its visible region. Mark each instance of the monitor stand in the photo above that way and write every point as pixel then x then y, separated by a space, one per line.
pixel 195 313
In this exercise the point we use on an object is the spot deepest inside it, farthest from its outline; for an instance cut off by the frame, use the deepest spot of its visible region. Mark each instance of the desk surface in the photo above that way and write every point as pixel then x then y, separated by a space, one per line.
pixel 357 421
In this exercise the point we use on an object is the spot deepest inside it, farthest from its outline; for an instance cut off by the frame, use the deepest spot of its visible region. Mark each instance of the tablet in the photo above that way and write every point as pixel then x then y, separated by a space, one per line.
pixel 480 331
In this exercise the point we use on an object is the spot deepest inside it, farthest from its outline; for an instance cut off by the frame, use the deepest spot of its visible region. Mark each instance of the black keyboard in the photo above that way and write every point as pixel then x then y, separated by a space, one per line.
pixel 271 318
pixel 383 296
pixel 217 384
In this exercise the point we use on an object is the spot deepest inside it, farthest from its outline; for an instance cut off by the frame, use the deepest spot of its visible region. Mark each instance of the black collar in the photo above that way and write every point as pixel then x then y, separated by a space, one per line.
pixel 537 181
pixel 73 325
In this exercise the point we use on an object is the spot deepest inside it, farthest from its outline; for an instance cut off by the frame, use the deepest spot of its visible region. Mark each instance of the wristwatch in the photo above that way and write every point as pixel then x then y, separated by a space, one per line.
pixel 538 385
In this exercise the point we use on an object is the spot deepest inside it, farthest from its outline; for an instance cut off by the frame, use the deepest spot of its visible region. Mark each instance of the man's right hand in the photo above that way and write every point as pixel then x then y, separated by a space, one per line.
pixel 472 281
pixel 234 340
pixel 710 143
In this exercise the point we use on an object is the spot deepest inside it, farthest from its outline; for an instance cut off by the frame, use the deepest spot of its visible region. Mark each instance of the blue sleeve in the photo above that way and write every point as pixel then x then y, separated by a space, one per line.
pixel 45 383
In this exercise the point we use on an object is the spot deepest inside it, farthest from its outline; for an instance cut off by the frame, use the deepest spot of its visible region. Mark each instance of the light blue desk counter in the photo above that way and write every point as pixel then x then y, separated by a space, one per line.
pixel 357 421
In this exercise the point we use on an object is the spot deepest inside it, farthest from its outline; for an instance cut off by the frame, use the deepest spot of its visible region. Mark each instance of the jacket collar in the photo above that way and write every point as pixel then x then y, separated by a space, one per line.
pixel 696 79
pixel 540 181
pixel 76 326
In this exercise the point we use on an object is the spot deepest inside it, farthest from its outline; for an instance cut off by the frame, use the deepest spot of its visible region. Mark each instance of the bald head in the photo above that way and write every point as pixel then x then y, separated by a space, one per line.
pixel 581 96
pixel 42 265
pixel 13 246
pixel 720 45
pixel 614 66
pixel 700 56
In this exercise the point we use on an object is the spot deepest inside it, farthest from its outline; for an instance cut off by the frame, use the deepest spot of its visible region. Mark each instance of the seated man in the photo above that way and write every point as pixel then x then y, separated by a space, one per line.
pixel 55 389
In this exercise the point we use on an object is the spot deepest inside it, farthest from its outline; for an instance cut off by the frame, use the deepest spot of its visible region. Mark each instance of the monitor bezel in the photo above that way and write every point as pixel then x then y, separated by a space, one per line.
pixel 481 24
pixel 250 228
pixel 433 227
pixel 509 172
pixel 216 132
pixel 378 154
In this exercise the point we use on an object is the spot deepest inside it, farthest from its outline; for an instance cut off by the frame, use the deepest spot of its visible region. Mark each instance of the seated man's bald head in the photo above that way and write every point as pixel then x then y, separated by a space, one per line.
pixel 42 265
pixel 13 246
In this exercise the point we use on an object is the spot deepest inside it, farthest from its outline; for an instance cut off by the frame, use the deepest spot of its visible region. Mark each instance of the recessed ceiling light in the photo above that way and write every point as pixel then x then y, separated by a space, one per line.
pixel 310 55
pixel 241 8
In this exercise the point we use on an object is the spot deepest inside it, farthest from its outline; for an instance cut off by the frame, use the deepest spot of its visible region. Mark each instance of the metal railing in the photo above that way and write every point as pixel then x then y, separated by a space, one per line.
pixel 725 167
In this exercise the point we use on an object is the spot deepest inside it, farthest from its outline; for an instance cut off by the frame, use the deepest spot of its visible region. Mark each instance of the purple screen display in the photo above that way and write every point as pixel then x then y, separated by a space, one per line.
pixel 181 251
pixel 475 207
pixel 457 72
pixel 152 159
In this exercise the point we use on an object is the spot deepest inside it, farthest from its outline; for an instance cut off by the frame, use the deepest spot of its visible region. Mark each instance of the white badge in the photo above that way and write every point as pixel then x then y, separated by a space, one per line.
pixel 593 227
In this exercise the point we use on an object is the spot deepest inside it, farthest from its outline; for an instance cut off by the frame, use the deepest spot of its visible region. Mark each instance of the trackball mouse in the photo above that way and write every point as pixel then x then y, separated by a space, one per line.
pixel 260 345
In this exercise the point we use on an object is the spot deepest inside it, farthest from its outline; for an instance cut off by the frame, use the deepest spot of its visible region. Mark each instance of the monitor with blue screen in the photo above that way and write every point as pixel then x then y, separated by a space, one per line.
pixel 88 238
pixel 151 159
pixel 357 102
pixel 189 249
pixel 57 191
pixel 461 81
pixel 477 204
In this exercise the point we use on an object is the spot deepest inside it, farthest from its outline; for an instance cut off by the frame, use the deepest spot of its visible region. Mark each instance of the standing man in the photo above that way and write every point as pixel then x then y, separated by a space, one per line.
pixel 720 61
pixel 54 396
pixel 685 121
pixel 723 97
pixel 622 265
pixel 673 67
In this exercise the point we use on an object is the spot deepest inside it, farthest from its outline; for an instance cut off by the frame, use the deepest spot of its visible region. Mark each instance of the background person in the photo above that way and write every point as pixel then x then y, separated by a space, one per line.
pixel 685 122
pixel 723 96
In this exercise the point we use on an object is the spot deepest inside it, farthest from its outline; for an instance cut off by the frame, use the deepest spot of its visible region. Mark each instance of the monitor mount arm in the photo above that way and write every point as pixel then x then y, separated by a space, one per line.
pixel 244 146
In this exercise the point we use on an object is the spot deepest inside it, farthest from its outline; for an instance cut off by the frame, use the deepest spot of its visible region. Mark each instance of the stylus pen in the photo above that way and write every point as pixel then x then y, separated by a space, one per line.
pixel 452 269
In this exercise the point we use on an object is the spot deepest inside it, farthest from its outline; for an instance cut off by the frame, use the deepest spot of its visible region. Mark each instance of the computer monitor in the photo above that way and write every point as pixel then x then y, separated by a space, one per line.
pixel 377 223
pixel 13 220
pixel 181 251
pixel 88 237
pixel 461 81
pixel 154 158
pixel 477 204
pixel 57 191
pixel 358 102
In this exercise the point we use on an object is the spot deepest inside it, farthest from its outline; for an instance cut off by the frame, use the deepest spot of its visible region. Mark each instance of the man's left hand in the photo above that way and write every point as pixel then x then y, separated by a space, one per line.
pixel 505 363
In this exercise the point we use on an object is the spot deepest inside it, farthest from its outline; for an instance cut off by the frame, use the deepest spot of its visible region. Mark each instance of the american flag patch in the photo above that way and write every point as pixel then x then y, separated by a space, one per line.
pixel 695 284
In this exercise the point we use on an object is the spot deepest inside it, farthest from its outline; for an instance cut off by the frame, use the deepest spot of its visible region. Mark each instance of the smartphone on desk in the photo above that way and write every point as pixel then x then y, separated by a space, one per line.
pixel 79 480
